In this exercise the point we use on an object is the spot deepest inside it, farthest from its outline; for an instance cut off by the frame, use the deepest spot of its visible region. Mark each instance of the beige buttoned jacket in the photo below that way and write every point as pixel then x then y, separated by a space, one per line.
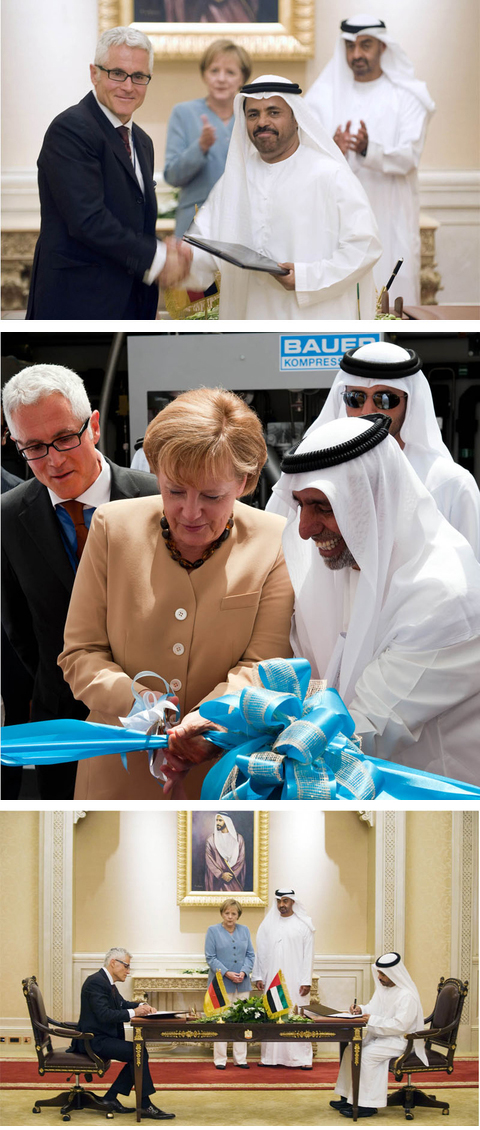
pixel 133 609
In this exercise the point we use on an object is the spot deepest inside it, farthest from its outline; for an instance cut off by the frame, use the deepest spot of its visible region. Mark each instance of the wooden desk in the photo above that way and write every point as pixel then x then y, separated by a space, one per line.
pixel 340 1031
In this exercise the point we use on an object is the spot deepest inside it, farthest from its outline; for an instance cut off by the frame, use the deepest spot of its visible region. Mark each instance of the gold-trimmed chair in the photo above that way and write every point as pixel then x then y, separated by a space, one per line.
pixel 63 1061
pixel 442 1033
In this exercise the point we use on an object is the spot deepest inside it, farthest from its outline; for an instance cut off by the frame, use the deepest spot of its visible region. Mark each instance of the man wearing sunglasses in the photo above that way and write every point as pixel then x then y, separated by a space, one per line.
pixel 104 1012
pixel 45 524
pixel 97 255
pixel 382 377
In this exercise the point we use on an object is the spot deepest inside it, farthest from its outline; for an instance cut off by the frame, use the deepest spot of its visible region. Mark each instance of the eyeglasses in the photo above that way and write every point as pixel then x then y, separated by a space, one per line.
pixel 61 443
pixel 121 76
pixel 120 962
pixel 380 399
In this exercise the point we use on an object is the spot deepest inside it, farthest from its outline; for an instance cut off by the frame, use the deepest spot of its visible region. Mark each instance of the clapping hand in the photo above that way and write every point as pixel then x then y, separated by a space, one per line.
pixel 342 137
pixel 208 135
pixel 177 262
pixel 359 141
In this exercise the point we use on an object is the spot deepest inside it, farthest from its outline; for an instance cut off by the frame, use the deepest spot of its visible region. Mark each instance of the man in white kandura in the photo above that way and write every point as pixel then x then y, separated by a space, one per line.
pixel 285 941
pixel 288 193
pixel 382 377
pixel 394 1009
pixel 377 111
pixel 387 597
pixel 225 866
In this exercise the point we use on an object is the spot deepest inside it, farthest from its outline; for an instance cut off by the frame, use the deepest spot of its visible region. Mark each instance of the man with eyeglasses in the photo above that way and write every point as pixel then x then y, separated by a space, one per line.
pixel 45 525
pixel 104 1012
pixel 97 255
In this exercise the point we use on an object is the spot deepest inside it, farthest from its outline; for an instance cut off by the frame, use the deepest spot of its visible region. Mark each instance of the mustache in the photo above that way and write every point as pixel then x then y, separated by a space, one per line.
pixel 264 129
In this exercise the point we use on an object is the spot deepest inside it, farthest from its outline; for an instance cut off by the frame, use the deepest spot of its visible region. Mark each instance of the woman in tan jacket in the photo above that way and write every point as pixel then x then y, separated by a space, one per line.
pixel 191 585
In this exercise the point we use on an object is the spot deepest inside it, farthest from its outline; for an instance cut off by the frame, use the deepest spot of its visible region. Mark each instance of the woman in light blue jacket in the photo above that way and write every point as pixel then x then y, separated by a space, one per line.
pixel 199 131
pixel 228 949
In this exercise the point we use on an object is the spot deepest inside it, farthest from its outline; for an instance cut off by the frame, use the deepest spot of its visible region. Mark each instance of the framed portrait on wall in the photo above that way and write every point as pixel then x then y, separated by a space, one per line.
pixel 222 853
pixel 183 29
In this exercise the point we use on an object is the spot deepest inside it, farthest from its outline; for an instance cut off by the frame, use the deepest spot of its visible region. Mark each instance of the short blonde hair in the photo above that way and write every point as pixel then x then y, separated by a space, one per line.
pixel 206 432
pixel 224 47
pixel 231 902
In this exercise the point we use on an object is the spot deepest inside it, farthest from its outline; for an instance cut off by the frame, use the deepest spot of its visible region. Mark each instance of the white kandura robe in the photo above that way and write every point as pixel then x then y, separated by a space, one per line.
pixel 396 122
pixel 291 950
pixel 454 489
pixel 304 210
pixel 390 1018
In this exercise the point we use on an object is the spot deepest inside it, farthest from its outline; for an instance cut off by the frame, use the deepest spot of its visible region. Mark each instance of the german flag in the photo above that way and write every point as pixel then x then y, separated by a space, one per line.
pixel 216 997
pixel 276 999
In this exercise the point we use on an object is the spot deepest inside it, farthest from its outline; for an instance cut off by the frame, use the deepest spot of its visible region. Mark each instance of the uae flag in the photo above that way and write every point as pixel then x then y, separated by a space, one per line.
pixel 216 997
pixel 276 1000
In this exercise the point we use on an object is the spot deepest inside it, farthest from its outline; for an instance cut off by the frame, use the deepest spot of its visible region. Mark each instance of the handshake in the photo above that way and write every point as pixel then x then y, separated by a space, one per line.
pixel 177 263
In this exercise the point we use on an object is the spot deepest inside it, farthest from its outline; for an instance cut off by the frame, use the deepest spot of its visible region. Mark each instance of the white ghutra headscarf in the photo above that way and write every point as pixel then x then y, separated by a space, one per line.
pixel 338 76
pixel 419 584
pixel 227 843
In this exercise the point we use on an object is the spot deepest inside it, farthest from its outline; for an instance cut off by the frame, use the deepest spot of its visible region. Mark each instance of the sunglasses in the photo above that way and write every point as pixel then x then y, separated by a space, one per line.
pixel 380 399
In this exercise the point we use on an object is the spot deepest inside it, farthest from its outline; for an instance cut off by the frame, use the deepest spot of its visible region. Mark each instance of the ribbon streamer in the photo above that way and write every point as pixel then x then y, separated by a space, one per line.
pixel 282 743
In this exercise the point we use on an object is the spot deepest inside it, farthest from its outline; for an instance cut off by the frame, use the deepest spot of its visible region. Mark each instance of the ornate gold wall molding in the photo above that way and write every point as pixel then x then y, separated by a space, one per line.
pixel 292 38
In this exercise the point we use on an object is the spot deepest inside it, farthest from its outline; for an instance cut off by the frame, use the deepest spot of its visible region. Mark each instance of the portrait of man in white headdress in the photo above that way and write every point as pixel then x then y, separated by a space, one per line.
pixel 225 867
pixel 222 851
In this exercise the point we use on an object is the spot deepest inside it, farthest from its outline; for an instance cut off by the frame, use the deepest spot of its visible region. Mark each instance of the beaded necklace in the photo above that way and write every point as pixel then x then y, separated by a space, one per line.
pixel 175 553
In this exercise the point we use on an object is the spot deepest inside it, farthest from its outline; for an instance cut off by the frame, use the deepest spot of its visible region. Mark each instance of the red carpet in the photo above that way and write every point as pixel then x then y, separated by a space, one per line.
pixel 190 1074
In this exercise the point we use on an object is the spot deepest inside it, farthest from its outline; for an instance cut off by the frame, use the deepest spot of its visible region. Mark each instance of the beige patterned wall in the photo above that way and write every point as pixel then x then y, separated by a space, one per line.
pixel 130 857
pixel 428 899
pixel 18 906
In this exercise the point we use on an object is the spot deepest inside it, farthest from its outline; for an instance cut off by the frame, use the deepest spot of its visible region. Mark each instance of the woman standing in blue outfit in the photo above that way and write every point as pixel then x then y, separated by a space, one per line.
pixel 228 949
pixel 199 131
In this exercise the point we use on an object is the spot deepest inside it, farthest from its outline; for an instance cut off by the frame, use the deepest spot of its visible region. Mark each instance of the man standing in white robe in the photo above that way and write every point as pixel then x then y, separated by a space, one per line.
pixel 288 193
pixel 384 368
pixel 377 111
pixel 387 597
pixel 394 1009
pixel 285 941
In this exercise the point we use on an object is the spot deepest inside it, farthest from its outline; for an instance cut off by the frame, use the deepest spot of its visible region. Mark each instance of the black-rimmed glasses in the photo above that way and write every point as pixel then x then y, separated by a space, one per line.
pixel 121 76
pixel 120 962
pixel 61 443
pixel 384 400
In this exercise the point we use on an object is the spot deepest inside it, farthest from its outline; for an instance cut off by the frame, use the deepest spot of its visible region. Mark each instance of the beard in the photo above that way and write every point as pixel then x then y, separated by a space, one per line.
pixel 344 560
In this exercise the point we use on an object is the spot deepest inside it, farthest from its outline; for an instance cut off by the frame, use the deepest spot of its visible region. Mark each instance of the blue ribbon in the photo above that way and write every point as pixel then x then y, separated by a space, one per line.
pixel 69 739
pixel 280 741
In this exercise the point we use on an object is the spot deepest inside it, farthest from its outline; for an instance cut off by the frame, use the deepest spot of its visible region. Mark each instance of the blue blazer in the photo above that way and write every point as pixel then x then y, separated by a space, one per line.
pixel 230 951
pixel 97 232
pixel 186 166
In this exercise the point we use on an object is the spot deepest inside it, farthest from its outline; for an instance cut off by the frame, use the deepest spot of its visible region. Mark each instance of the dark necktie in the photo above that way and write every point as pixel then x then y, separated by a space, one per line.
pixel 123 131
pixel 75 510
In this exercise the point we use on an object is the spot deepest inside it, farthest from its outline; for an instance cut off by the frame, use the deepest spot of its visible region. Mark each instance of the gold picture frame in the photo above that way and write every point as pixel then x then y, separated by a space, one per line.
pixel 291 39
pixel 193 830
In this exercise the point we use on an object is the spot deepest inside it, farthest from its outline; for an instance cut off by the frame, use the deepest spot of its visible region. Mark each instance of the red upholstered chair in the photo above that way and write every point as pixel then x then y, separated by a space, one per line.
pixel 440 1043
pixel 62 1061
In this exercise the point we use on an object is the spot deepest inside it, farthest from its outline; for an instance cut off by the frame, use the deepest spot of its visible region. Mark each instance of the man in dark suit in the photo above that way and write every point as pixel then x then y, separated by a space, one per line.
pixel 104 1012
pixel 97 255
pixel 46 405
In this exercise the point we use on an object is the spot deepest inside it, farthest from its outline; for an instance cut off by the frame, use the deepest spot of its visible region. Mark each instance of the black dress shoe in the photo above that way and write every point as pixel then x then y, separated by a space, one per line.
pixel 338 1103
pixel 115 1105
pixel 246 1066
pixel 363 1111
pixel 220 1066
pixel 152 1111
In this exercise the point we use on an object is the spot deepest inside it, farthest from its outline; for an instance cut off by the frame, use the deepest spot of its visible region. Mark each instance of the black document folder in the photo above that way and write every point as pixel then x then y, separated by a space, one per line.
pixel 237 254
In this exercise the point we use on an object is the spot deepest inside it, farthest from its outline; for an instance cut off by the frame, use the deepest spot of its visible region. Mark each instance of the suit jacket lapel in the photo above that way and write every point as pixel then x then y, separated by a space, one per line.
pixel 144 162
pixel 122 484
pixel 91 104
pixel 38 517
